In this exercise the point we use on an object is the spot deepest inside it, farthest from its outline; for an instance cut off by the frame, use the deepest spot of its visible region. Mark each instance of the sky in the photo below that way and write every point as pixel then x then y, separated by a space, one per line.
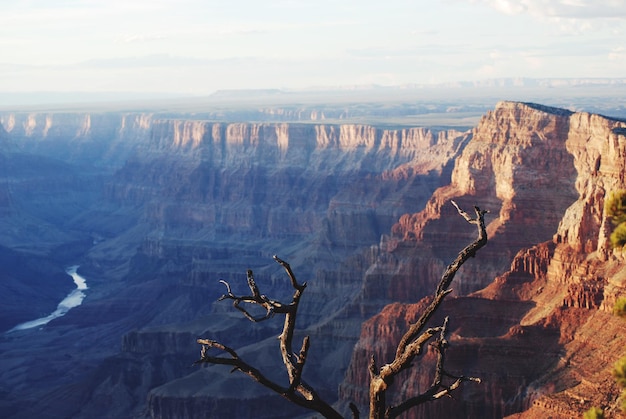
pixel 197 47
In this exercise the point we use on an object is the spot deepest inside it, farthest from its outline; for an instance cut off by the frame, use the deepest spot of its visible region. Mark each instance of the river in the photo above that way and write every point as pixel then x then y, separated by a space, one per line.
pixel 73 299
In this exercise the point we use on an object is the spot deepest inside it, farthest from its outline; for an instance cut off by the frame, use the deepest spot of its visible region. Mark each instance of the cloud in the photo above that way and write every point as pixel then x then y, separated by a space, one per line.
pixel 421 50
pixel 507 7
pixel 569 17
pixel 617 54
pixel 132 38
pixel 564 9
pixel 143 61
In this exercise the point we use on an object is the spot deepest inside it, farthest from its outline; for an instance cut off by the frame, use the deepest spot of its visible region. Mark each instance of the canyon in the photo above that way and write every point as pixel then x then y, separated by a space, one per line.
pixel 156 209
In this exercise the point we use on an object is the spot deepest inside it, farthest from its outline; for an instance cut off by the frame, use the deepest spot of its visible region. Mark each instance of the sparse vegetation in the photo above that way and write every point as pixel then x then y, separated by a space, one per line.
pixel 619 309
pixel 619 369
pixel 615 208
pixel 619 373
pixel 594 413
pixel 618 237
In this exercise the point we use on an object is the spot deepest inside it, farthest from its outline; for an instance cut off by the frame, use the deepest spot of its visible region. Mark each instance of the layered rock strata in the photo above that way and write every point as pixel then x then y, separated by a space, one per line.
pixel 320 192
pixel 175 205
pixel 544 173
pixel 88 139
pixel 187 202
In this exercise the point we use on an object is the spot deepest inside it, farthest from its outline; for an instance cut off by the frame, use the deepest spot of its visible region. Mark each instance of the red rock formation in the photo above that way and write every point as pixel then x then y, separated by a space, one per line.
pixel 544 173
pixel 185 188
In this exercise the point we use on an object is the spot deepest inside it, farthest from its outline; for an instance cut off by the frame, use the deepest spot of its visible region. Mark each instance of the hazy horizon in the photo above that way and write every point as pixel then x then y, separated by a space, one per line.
pixel 575 94
pixel 193 47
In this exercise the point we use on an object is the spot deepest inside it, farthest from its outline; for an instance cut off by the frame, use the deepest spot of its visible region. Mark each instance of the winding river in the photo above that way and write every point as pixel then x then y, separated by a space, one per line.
pixel 73 299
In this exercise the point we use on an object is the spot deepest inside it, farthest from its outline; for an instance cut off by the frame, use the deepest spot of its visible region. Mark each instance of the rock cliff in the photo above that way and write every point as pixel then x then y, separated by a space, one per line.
pixel 160 208
pixel 91 139
pixel 172 205
pixel 230 172
pixel 543 173
pixel 321 192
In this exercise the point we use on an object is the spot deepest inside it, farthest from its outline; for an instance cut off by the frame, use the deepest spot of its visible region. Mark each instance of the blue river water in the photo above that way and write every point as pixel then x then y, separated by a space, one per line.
pixel 73 299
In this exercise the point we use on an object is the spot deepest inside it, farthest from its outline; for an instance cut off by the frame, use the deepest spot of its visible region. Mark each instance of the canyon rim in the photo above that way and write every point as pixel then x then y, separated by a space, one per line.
pixel 156 209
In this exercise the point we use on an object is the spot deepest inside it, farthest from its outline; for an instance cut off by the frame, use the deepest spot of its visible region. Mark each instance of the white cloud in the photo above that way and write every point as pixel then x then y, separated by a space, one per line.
pixel 146 37
pixel 533 62
pixel 617 54
pixel 571 17
pixel 574 26
pixel 508 7
pixel 290 42
pixel 573 9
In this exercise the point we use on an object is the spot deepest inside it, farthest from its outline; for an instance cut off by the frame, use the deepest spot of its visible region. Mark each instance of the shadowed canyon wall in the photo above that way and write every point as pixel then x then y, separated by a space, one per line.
pixel 156 211
pixel 160 209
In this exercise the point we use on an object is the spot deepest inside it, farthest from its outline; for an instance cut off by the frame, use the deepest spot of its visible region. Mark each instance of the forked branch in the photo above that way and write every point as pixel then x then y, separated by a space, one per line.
pixel 410 346
pixel 298 391
pixel 437 389
pixel 413 342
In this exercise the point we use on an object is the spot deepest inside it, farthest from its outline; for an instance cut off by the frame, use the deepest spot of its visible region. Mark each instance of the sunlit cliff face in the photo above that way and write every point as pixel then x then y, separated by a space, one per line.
pixel 527 332
pixel 161 209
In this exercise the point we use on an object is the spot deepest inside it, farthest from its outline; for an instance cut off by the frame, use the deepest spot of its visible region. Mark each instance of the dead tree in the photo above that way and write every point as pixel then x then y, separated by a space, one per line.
pixel 411 345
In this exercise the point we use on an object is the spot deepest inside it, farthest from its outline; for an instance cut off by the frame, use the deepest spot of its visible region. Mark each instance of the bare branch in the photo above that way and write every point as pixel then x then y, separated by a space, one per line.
pixel 290 273
pixel 463 213
pixel 469 251
pixel 255 374
pixel 373 369
pixel 271 307
pixel 235 362
pixel 252 285
pixel 229 293
pixel 416 328
pixel 442 289
pixel 410 346
pixel 441 345
pixel 355 411
pixel 413 341
pixel 299 367
pixel 437 389
pixel 208 344
pixel 298 391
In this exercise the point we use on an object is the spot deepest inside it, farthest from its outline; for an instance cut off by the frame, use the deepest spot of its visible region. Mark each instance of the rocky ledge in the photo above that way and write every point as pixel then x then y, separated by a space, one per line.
pixel 543 173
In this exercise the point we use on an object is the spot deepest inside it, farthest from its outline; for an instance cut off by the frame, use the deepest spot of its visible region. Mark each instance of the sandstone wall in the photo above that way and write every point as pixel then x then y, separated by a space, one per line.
pixel 187 202
pixel 543 173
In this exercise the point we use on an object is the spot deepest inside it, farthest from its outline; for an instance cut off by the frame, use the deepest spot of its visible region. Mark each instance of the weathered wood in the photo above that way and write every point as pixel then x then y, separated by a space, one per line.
pixel 298 391
pixel 410 346
pixel 414 340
